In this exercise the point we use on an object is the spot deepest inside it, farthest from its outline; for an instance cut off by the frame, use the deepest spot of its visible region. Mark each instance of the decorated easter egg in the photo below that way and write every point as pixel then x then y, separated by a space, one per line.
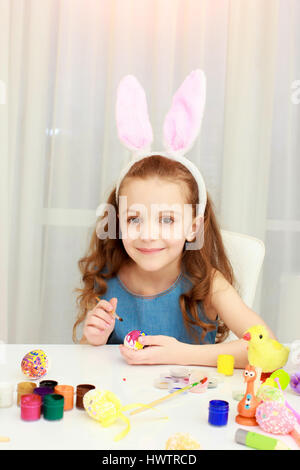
pixel 102 405
pixel 35 364
pixel 131 339
pixel 275 417
pixel 265 393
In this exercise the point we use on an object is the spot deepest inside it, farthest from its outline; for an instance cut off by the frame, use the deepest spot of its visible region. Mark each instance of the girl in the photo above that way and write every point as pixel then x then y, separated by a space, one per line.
pixel 180 292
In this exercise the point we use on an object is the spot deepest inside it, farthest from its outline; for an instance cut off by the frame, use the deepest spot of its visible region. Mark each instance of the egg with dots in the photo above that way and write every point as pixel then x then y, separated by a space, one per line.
pixel 276 418
pixel 131 339
pixel 35 364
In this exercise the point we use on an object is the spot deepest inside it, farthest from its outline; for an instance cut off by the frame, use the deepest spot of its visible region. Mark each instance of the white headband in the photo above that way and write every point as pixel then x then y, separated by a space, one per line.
pixel 181 126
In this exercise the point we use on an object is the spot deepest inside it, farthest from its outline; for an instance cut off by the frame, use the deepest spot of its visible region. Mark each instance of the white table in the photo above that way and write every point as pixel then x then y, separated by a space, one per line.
pixel 105 368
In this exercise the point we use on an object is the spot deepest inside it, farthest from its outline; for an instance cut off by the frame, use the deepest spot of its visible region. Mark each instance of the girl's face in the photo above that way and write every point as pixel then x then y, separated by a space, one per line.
pixel 154 221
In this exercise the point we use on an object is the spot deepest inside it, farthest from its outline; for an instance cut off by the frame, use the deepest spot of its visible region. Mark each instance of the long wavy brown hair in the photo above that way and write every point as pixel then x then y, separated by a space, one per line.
pixel 198 266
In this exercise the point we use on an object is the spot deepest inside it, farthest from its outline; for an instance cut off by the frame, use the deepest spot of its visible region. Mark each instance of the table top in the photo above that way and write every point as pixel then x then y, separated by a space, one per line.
pixel 105 368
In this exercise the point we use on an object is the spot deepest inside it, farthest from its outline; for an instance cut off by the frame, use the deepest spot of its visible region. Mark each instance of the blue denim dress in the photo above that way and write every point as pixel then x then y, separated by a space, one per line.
pixel 158 314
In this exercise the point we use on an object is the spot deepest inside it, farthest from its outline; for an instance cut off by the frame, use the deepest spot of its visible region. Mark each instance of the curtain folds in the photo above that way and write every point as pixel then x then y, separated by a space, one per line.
pixel 60 65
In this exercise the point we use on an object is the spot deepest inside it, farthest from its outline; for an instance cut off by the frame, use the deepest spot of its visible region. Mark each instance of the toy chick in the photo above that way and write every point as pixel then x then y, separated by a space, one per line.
pixel 263 351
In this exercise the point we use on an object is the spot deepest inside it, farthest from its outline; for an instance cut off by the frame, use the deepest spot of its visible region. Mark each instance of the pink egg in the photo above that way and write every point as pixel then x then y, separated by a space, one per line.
pixel 131 339
pixel 275 418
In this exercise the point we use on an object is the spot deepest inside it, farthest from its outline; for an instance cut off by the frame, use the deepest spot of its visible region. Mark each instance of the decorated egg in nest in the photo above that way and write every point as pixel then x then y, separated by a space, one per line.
pixel 35 364
pixel 131 339
pixel 102 405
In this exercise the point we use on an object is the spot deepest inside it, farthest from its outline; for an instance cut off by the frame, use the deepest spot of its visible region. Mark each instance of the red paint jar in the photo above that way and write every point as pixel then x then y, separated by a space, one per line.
pixel 30 407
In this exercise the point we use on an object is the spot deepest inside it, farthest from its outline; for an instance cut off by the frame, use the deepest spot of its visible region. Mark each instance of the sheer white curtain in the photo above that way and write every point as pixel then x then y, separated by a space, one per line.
pixel 60 64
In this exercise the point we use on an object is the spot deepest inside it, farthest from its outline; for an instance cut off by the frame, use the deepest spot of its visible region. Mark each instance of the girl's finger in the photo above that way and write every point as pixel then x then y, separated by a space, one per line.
pixel 94 331
pixel 98 323
pixel 155 340
pixel 133 356
pixel 102 315
pixel 107 306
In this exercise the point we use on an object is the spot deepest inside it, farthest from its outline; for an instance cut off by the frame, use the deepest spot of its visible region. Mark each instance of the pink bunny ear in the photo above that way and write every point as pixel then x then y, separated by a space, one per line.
pixel 183 121
pixel 134 128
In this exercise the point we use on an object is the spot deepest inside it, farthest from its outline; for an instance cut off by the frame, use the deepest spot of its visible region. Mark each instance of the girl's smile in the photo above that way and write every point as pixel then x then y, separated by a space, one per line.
pixel 148 251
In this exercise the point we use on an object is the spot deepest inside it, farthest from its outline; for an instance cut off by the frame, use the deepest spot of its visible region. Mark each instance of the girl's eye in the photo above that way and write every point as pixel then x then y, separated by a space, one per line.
pixel 131 218
pixel 162 218
pixel 169 218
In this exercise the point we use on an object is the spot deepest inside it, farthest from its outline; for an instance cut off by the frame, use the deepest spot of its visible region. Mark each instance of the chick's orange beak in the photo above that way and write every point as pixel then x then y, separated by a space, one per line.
pixel 247 336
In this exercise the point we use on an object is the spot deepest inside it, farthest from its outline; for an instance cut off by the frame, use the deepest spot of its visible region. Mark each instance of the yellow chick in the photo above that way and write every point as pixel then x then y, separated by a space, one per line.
pixel 264 352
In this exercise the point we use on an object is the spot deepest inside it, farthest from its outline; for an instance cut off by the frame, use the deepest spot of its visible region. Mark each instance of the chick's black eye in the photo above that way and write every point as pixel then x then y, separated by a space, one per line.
pixel 260 336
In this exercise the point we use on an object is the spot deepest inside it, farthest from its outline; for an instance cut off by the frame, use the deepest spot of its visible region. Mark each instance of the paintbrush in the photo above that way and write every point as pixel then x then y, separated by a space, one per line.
pixel 113 313
pixel 170 395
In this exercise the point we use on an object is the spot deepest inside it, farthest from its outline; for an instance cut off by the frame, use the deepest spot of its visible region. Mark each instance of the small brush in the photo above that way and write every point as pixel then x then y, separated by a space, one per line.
pixel 171 395
pixel 113 313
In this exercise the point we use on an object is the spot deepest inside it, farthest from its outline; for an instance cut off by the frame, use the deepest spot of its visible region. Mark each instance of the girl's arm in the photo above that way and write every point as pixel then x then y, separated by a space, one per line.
pixel 229 306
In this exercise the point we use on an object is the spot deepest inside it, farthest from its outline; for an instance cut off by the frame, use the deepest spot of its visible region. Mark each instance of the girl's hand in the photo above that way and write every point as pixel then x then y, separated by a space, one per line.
pixel 99 322
pixel 160 350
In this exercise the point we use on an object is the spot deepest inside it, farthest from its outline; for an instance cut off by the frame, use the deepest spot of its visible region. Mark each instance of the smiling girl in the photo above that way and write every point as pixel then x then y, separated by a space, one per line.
pixel 166 271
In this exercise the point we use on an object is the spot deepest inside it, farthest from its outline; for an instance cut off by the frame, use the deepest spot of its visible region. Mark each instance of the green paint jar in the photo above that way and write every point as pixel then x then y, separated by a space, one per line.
pixel 53 406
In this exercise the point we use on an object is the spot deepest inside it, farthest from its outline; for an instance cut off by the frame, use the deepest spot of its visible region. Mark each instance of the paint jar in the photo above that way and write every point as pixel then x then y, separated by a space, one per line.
pixel 179 372
pixel 24 388
pixel 225 364
pixel 218 412
pixel 48 383
pixel 53 406
pixel 81 390
pixel 67 391
pixel 30 407
pixel 42 392
pixel 175 386
pixel 6 394
pixel 163 381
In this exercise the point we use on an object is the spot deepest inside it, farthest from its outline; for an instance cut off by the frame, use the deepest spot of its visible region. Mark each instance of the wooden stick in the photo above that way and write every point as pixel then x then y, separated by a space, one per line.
pixel 113 313
pixel 166 397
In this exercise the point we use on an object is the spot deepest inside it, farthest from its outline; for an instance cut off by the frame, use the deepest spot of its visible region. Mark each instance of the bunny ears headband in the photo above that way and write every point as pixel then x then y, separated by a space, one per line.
pixel 181 126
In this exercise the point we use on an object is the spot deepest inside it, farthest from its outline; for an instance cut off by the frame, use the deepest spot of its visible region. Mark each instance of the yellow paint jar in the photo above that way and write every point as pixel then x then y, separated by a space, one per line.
pixel 225 364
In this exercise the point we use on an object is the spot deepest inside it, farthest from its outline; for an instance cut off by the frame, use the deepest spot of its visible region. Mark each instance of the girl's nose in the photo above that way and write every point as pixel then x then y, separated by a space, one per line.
pixel 149 231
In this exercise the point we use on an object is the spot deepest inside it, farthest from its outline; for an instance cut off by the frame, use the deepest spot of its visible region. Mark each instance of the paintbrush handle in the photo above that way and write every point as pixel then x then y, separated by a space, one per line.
pixel 166 397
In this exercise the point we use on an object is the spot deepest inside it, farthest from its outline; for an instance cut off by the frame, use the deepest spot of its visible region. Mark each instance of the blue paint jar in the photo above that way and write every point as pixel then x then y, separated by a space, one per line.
pixel 218 412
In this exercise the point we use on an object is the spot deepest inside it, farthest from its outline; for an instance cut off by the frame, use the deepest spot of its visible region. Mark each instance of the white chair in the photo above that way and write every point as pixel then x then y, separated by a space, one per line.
pixel 246 255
